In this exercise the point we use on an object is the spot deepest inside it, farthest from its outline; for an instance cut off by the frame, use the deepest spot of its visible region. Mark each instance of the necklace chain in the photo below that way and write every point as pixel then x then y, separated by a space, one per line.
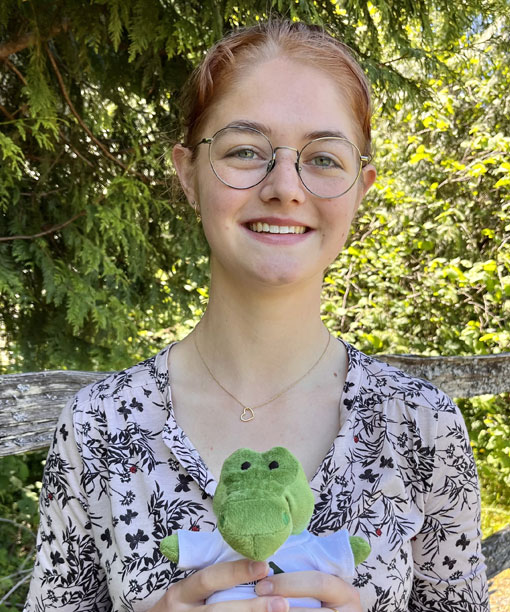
pixel 248 413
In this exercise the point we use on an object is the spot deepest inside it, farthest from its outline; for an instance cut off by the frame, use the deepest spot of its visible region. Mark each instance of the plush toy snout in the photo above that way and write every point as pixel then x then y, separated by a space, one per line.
pixel 256 528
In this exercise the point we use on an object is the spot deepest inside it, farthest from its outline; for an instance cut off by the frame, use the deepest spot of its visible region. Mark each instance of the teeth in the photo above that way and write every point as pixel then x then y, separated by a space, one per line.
pixel 277 229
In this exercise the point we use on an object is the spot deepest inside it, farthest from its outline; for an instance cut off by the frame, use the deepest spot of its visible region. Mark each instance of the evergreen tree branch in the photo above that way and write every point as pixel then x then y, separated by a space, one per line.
pixel 13 46
pixel 27 40
pixel 82 123
pixel 10 65
pixel 75 150
pixel 52 229
pixel 7 113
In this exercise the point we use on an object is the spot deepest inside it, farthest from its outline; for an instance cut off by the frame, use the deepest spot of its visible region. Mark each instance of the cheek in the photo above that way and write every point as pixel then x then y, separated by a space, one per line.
pixel 339 223
pixel 341 217
pixel 218 214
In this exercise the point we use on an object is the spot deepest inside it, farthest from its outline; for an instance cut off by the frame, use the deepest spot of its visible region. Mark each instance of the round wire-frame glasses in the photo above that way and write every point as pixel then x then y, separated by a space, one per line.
pixel 262 172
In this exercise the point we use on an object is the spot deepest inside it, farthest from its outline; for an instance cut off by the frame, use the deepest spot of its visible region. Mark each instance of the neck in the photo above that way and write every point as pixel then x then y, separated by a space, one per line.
pixel 255 340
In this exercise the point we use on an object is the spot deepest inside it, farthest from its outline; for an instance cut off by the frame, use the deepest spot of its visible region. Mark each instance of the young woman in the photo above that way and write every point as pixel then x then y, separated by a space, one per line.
pixel 276 160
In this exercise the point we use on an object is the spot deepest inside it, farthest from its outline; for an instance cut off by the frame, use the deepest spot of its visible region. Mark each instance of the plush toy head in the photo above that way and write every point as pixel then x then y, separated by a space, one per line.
pixel 261 499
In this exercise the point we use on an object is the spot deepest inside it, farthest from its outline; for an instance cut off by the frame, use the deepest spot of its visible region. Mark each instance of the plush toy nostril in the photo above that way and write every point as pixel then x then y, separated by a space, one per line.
pixel 286 518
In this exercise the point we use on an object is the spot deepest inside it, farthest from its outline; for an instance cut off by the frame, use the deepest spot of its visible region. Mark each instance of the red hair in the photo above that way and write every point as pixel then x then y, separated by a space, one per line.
pixel 275 38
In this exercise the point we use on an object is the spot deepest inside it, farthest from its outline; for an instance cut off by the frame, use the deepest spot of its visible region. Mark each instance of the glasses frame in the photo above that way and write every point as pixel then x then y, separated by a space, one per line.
pixel 363 159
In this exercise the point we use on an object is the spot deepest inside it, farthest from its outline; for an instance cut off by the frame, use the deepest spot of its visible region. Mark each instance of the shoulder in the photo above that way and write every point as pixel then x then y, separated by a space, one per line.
pixel 373 380
pixel 133 397
pixel 151 373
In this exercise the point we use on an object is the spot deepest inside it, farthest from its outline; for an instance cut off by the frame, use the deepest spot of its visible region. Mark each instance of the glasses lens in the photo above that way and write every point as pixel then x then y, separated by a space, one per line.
pixel 240 156
pixel 329 166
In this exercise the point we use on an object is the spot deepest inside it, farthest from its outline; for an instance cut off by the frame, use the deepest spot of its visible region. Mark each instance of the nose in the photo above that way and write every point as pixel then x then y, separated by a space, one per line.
pixel 282 182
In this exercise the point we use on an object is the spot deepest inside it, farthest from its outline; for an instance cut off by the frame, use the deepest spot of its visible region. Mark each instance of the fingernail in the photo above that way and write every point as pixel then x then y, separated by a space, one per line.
pixel 265 587
pixel 278 604
pixel 259 568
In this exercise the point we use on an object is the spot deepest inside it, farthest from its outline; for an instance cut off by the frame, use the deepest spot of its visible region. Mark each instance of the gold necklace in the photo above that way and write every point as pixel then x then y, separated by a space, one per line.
pixel 248 413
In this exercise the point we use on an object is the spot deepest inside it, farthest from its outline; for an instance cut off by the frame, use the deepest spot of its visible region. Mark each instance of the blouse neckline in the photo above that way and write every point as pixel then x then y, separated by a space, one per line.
pixel 186 453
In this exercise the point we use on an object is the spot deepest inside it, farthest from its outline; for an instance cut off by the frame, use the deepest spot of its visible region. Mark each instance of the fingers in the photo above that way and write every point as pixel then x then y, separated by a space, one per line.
pixel 195 589
pixel 220 576
pixel 335 593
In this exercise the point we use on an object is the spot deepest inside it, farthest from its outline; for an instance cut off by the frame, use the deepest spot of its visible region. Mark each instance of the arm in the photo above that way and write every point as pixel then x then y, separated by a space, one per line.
pixel 67 573
pixel 449 570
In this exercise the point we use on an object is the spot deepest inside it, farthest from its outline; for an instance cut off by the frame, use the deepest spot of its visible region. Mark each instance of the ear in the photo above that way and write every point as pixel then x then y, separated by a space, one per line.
pixel 368 174
pixel 367 179
pixel 184 167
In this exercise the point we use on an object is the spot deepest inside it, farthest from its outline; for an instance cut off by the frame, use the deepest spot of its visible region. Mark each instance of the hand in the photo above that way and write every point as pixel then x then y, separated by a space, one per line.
pixel 333 592
pixel 190 593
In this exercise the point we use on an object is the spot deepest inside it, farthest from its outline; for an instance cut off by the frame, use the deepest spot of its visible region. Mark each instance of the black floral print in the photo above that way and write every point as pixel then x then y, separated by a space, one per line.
pixel 121 475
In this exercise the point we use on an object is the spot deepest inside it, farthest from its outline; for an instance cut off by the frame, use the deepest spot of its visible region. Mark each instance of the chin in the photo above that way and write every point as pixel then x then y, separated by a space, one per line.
pixel 277 276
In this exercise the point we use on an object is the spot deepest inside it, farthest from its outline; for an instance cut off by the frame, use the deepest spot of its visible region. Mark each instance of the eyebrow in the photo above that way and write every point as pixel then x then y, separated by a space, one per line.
pixel 326 134
pixel 254 125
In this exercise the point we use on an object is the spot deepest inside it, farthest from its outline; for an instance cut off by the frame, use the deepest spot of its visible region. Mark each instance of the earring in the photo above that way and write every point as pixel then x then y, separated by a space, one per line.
pixel 196 207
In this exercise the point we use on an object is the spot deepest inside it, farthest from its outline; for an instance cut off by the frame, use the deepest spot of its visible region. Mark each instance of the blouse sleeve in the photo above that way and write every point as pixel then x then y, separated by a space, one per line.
pixel 449 568
pixel 67 575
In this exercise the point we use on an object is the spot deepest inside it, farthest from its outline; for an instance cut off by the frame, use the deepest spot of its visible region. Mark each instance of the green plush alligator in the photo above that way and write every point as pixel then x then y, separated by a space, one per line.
pixel 263 504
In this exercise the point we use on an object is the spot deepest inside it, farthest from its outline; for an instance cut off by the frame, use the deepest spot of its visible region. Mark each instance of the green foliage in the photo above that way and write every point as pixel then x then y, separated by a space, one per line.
pixel 494 517
pixel 19 493
pixel 89 222
pixel 488 421
pixel 428 267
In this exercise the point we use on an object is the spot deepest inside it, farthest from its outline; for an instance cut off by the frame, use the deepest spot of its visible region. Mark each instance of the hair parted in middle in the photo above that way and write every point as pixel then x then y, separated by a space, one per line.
pixel 233 55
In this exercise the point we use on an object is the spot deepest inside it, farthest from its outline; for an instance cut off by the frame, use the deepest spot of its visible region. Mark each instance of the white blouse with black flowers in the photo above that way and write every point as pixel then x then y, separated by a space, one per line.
pixel 121 475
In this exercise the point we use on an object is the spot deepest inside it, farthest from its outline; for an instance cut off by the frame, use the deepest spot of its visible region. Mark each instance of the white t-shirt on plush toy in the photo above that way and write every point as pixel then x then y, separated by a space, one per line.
pixel 331 554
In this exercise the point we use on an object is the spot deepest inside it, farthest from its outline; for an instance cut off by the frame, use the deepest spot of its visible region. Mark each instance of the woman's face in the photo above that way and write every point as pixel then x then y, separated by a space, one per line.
pixel 290 102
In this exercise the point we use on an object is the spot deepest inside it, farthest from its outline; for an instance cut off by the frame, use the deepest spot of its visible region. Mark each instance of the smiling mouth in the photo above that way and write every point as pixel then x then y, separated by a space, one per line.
pixel 266 228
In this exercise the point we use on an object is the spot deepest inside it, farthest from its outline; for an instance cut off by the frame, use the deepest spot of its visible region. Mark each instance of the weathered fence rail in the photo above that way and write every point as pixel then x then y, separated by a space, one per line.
pixel 31 403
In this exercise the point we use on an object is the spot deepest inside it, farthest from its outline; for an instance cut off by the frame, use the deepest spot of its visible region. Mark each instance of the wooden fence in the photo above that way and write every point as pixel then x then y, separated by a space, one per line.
pixel 31 403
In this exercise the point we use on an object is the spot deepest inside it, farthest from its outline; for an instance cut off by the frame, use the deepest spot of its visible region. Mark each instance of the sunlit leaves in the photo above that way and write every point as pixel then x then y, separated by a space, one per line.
pixel 435 226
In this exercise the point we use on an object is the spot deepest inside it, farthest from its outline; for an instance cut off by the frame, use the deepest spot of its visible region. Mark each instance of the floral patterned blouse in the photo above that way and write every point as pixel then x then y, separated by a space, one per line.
pixel 121 475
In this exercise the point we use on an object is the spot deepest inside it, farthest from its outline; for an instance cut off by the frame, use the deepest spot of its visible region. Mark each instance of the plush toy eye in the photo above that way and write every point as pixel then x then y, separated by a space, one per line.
pixel 246 465
pixel 273 465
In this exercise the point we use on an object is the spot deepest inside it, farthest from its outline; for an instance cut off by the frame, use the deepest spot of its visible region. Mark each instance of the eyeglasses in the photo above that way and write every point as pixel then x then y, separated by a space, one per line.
pixel 241 157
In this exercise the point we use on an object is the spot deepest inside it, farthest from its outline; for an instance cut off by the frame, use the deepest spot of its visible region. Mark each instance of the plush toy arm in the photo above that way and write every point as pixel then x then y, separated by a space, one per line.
pixel 169 546
pixel 194 549
pixel 360 549
pixel 338 553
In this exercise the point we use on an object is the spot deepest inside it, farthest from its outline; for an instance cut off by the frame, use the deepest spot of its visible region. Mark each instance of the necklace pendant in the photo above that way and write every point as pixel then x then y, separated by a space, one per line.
pixel 248 414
